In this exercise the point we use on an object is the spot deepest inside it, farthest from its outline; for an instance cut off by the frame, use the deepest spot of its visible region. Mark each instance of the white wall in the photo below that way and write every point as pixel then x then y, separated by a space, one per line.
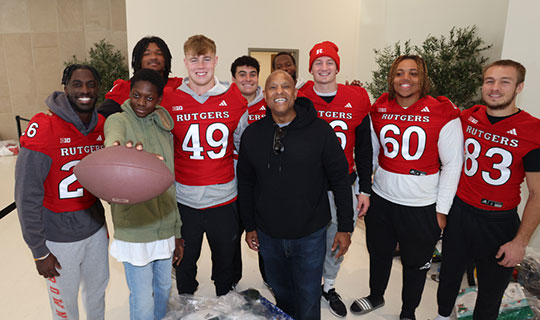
pixel 520 44
pixel 356 26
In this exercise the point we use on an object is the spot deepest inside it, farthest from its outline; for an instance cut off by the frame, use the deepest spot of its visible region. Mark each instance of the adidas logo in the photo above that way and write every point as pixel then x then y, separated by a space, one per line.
pixel 262 108
pixel 473 120
pixel 65 140
pixel 100 138
pixel 425 109
pixel 177 108
pixel 381 109
pixel 223 103
pixel 513 131
pixel 348 105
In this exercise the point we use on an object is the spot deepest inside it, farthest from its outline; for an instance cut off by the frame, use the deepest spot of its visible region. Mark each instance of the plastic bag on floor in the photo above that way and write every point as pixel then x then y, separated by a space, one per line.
pixel 529 272
pixel 8 148
pixel 514 305
pixel 248 305
pixel 529 277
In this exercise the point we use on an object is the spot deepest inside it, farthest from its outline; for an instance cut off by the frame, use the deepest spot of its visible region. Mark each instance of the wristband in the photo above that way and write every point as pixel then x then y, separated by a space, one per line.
pixel 42 258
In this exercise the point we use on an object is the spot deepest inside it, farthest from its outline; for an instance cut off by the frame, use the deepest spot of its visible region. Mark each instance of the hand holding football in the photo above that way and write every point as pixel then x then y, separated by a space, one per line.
pixel 123 175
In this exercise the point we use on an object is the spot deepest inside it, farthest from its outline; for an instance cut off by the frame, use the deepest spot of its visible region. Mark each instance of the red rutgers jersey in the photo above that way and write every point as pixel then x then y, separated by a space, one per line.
pixel 66 146
pixel 203 135
pixel 257 111
pixel 344 113
pixel 493 168
pixel 408 136
pixel 121 88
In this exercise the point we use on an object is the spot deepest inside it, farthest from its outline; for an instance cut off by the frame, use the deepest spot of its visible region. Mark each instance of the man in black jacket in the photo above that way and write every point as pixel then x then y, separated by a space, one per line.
pixel 287 162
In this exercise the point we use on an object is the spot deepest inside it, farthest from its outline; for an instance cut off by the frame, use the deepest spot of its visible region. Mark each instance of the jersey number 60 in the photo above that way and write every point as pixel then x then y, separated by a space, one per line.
pixel 405 142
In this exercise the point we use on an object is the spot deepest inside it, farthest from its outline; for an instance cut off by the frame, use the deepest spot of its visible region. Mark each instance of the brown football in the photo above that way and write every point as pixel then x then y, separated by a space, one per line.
pixel 123 175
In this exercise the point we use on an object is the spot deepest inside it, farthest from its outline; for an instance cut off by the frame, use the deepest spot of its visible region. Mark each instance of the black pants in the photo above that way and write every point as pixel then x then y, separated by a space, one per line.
pixel 417 231
pixel 475 235
pixel 221 226
pixel 237 262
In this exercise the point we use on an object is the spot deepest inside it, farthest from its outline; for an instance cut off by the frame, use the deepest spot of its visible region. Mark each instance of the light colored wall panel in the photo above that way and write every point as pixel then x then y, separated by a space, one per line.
pixel 70 15
pixel 72 43
pixel 97 15
pixel 522 26
pixel 118 15
pixel 37 37
pixel 43 15
pixel 5 106
pixel 14 16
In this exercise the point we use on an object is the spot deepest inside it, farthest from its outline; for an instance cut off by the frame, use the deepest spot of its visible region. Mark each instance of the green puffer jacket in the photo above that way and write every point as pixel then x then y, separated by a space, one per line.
pixel 157 218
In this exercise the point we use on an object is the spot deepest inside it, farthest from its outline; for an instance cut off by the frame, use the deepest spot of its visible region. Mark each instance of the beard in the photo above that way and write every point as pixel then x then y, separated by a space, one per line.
pixel 501 105
pixel 78 108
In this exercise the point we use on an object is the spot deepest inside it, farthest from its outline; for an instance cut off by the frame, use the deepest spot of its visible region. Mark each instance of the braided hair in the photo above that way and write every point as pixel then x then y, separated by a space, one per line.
pixel 68 71
pixel 138 53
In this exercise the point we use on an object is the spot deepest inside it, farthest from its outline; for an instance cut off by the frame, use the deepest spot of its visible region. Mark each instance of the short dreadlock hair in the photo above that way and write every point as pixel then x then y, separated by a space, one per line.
pixel 68 71
pixel 142 45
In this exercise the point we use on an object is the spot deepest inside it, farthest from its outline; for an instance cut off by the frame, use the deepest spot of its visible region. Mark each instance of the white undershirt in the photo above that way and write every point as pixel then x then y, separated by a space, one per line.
pixel 140 254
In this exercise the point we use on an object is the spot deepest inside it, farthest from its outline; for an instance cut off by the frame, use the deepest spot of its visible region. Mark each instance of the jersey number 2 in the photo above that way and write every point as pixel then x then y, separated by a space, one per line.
pixel 63 187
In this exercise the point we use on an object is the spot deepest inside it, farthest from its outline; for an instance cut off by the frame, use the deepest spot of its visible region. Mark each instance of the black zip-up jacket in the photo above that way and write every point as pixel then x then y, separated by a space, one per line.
pixel 285 194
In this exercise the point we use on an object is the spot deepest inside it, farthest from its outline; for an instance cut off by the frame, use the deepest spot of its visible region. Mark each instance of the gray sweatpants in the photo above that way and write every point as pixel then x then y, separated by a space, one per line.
pixel 85 263
pixel 331 264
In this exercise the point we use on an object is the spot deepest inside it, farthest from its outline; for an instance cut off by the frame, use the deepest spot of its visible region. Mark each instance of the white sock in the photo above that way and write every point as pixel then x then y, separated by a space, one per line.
pixel 439 317
pixel 328 284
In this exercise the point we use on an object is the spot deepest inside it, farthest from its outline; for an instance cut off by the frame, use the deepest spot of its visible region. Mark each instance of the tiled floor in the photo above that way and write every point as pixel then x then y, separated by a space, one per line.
pixel 23 295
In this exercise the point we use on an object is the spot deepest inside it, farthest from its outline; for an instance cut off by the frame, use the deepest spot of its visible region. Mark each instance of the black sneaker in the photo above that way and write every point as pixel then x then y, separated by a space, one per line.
pixel 337 307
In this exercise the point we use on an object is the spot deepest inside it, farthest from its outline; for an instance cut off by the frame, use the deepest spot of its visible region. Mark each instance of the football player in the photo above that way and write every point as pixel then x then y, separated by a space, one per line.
pixel 418 153
pixel 502 148
pixel 346 109
pixel 62 223
pixel 149 53
pixel 209 119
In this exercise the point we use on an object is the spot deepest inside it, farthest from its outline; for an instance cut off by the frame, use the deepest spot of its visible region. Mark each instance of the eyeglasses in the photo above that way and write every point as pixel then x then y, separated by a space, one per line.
pixel 279 133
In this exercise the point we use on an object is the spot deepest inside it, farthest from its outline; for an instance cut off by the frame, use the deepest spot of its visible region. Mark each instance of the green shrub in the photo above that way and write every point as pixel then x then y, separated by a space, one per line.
pixel 110 64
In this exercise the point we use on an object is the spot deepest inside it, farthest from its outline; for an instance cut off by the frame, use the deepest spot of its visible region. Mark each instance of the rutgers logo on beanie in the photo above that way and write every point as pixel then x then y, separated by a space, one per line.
pixel 325 48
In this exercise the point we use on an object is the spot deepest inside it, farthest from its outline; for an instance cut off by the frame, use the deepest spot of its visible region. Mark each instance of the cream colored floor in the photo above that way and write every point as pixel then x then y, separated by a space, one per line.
pixel 23 293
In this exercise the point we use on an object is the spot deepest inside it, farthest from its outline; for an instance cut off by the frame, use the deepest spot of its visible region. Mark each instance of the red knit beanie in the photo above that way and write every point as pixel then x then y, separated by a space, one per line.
pixel 326 48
